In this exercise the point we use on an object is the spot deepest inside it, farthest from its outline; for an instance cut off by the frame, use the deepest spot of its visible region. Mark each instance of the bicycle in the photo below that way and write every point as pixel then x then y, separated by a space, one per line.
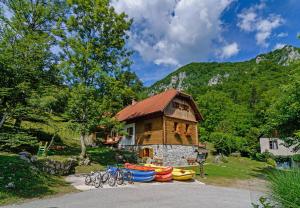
pixel 94 178
pixel 113 175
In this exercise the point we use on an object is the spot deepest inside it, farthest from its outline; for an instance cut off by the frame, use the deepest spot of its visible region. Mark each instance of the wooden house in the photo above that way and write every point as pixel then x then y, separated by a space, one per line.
pixel 162 127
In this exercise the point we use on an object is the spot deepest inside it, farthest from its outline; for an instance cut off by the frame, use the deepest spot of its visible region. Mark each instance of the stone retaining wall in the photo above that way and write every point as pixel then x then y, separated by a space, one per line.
pixel 174 155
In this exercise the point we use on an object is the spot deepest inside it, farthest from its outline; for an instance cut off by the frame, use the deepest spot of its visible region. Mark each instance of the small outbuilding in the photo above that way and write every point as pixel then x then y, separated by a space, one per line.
pixel 162 128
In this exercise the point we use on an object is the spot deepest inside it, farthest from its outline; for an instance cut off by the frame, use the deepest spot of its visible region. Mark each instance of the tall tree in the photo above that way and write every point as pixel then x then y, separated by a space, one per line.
pixel 26 58
pixel 92 39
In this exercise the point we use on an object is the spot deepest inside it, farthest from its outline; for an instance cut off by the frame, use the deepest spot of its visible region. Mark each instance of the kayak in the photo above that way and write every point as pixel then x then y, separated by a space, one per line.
pixel 163 178
pixel 143 178
pixel 160 170
pixel 183 175
pixel 139 173
pixel 138 167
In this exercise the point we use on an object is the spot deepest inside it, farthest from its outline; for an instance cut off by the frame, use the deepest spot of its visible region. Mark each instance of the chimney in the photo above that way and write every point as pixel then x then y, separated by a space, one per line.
pixel 133 102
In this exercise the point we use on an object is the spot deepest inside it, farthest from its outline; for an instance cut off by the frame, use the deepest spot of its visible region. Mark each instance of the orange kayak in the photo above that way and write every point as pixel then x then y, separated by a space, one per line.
pixel 138 167
pixel 163 178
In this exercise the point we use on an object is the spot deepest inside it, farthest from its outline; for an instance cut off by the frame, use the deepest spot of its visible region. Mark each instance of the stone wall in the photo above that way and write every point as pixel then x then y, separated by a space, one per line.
pixel 173 155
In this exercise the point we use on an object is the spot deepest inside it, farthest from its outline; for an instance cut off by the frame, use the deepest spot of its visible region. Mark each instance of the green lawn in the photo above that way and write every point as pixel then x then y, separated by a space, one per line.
pixel 29 182
pixel 236 169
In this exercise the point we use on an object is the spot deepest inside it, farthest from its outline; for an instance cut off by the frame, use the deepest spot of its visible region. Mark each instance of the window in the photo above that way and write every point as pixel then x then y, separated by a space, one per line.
pixel 129 132
pixel 175 126
pixel 273 144
pixel 148 127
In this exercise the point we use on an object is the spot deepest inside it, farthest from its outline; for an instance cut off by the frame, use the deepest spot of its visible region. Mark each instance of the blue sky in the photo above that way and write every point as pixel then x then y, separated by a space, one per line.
pixel 167 34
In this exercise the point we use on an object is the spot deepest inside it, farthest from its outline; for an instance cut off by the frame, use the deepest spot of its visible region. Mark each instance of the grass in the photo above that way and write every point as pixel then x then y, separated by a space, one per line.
pixel 235 170
pixel 29 182
pixel 285 186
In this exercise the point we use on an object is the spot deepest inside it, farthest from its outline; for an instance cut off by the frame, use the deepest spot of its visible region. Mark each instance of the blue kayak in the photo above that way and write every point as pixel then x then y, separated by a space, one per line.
pixel 143 178
pixel 138 173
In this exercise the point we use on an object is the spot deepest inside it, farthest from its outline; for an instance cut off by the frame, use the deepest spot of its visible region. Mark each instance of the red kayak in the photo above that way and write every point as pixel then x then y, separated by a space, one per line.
pixel 163 178
pixel 138 167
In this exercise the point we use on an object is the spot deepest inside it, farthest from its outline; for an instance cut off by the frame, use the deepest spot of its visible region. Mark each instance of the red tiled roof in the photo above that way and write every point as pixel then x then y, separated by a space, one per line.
pixel 153 104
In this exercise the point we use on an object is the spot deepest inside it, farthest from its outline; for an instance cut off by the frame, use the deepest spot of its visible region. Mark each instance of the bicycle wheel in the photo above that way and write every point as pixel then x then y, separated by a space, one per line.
pixel 105 177
pixel 88 180
pixel 112 180
pixel 98 182
pixel 120 177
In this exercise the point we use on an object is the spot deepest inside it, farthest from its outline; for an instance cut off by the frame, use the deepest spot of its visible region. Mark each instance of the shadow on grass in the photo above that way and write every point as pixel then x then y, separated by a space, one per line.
pixel 109 156
pixel 263 172
pixel 27 180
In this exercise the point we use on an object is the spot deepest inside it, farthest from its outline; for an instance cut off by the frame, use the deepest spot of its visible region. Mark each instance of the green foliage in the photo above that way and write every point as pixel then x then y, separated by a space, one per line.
pixel 285 186
pixel 29 181
pixel 296 157
pixel 263 157
pixel 284 114
pixel 17 141
pixel 26 60
pixel 96 63
pixel 227 144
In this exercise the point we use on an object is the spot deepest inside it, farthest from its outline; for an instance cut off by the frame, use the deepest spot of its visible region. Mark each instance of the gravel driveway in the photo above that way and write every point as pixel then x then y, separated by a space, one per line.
pixel 152 195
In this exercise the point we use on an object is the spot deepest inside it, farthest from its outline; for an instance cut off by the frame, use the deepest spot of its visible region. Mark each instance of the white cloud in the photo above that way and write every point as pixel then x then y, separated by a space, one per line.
pixel 282 35
pixel 251 21
pixel 229 50
pixel 174 32
pixel 278 46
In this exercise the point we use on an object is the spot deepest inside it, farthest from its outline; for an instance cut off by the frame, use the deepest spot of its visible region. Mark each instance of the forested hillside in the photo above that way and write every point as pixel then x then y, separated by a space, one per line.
pixel 236 99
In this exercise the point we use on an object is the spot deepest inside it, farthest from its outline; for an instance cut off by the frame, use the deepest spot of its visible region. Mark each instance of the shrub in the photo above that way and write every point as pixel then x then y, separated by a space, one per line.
pixel 285 186
pixel 296 157
pixel 263 157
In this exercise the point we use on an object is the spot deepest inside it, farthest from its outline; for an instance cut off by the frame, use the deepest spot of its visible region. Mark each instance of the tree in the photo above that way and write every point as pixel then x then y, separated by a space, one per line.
pixel 284 114
pixel 93 58
pixel 26 60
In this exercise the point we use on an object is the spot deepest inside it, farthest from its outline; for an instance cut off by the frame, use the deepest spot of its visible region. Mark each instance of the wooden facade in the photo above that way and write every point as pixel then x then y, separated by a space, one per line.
pixel 177 125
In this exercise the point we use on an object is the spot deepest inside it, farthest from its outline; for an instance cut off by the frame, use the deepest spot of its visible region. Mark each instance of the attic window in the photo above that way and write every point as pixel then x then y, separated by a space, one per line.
pixel 148 127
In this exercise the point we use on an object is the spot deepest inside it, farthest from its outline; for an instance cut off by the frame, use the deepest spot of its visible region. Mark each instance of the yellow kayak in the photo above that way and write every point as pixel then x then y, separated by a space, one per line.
pixel 183 175
pixel 161 170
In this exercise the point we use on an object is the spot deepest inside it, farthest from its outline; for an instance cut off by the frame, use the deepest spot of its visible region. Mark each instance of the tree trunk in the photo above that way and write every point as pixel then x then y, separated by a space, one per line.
pixel 83 147
pixel 3 119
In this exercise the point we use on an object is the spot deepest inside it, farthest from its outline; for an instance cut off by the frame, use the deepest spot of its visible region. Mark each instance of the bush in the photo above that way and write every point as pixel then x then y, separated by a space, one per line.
pixel 227 143
pixel 285 186
pixel 296 157
pixel 263 157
